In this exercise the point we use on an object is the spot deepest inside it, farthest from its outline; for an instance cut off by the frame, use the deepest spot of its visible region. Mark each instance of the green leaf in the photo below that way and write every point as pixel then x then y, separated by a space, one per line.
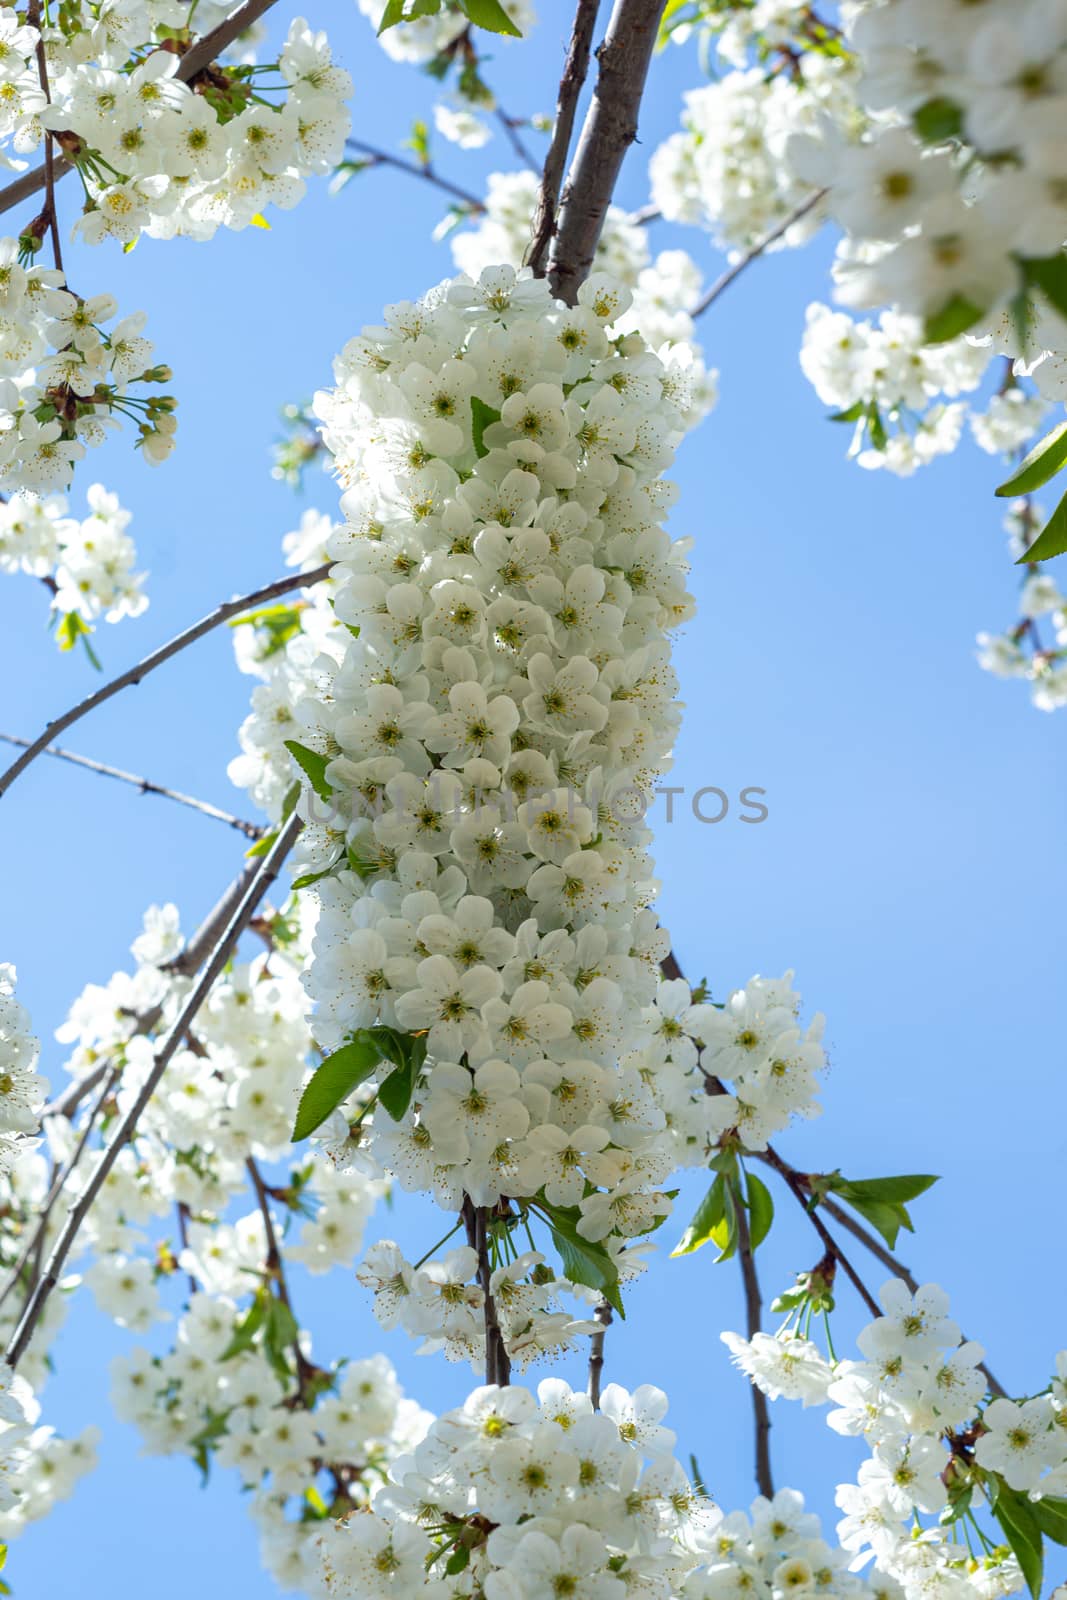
pixel 490 15
pixel 907 1186
pixel 245 1332
pixel 939 119
pixel 881 1200
pixel 393 13
pixel 1049 274
pixel 954 318
pixel 1047 457
pixel 583 1260
pixel 458 1560
pixel 481 416
pixel 1051 541
pixel 1023 1532
pixel 709 1213
pixel 853 414
pixel 334 1081
pixel 313 766
pixel 263 846
pixel 1050 1514
pixel 760 1209
pixel 396 1092
pixel 725 1232
pixel 876 427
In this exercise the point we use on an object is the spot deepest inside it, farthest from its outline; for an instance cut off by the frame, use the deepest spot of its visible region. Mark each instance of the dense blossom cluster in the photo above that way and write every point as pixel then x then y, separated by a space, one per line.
pixel 520 1497
pixel 160 155
pixel 22 1089
pixel 300 1463
pixel 487 739
pixel 36 1467
pixel 87 565
pixel 786 74
pixel 957 180
pixel 517 1496
pixel 919 1399
pixel 65 378
pixel 883 377
pixel 663 288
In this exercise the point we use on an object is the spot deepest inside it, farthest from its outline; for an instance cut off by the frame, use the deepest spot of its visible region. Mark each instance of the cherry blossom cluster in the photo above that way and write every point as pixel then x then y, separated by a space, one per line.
pixel 756 1044
pixel 38 1468
pixel 955 184
pixel 88 566
pixel 787 73
pixel 1025 651
pixel 222 1113
pixel 517 1496
pixel 301 1459
pixel 65 378
pixel 663 288
pixel 438 1303
pixel 899 391
pixel 938 1445
pixel 483 877
pixel 22 1089
pixel 163 156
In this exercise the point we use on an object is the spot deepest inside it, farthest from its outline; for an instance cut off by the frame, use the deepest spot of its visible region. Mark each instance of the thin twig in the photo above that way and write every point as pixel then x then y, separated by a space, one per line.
pixel 195 59
pixel 511 126
pixel 721 284
pixel 267 870
pixel 33 17
pixel 497 1360
pixel 251 830
pixel 134 674
pixel 305 1370
pixel 60 1179
pixel 416 169
pixel 761 1412
pixel 575 68
pixel 610 128
pixel 596 1353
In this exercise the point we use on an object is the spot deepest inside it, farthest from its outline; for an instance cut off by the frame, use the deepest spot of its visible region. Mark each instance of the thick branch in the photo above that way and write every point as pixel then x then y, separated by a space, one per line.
pixel 173 647
pixel 266 871
pixel 575 69
pixel 251 830
pixel 610 128
pixel 195 59
pixel 761 1411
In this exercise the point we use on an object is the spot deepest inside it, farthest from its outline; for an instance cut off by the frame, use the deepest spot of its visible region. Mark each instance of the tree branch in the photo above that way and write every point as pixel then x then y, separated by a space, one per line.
pixel 575 68
pixel 497 1360
pixel 266 871
pixel 722 283
pixel 305 1370
pixel 610 128
pixel 195 59
pixel 761 1412
pixel 251 830
pixel 222 613
pixel 415 169
pixel 60 1179
pixel 596 1353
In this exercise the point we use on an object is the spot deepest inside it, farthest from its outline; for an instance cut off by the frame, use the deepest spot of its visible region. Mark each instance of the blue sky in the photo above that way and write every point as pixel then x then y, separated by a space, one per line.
pixel 910 869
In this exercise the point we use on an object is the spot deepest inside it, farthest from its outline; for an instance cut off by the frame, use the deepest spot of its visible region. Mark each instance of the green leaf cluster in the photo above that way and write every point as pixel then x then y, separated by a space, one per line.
pixel 881 1201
